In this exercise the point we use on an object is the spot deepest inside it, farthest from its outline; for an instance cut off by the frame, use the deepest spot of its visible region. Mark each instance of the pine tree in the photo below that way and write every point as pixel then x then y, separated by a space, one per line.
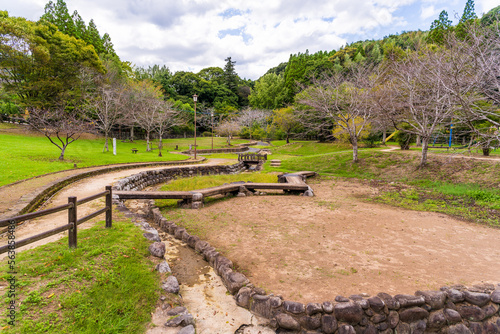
pixel 92 37
pixel 468 17
pixel 80 26
pixel 58 14
pixel 230 76
pixel 439 28
pixel 469 13
pixel 108 46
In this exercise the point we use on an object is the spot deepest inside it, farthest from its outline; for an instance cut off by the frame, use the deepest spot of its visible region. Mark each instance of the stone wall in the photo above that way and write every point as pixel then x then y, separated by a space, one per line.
pixel 452 310
pixel 148 178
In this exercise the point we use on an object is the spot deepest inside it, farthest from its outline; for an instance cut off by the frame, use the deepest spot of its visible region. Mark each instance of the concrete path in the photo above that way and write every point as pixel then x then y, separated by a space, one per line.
pixel 80 189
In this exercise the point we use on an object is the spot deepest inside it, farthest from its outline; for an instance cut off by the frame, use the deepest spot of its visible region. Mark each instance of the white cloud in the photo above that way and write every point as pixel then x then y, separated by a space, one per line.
pixel 427 12
pixel 186 34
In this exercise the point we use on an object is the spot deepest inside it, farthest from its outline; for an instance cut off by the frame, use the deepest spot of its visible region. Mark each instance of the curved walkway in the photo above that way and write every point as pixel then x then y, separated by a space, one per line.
pixel 80 189
pixel 18 195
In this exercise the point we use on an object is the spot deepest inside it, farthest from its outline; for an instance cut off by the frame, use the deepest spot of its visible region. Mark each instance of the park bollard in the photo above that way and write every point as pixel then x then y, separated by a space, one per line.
pixel 109 207
pixel 72 232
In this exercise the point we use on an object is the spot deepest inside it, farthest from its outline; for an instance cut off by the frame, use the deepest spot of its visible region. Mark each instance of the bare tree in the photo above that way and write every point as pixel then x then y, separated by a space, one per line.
pixel 342 100
pixel 60 126
pixel 228 129
pixel 166 117
pixel 106 107
pixel 416 99
pixel 145 105
pixel 248 117
pixel 472 78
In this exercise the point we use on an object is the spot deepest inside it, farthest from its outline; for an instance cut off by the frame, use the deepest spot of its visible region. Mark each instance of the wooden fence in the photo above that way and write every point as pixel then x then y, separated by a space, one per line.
pixel 251 157
pixel 73 220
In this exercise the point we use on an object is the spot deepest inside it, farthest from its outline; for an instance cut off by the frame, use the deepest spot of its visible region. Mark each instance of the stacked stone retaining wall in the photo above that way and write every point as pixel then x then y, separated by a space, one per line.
pixel 148 178
pixel 451 310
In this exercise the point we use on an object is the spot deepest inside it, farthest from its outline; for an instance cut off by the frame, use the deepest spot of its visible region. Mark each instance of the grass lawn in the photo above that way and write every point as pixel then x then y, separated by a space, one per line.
pixel 25 155
pixel 103 286
pixel 201 182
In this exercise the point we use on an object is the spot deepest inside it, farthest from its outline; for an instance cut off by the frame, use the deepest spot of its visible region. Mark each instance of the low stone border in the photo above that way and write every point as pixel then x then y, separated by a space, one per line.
pixel 179 316
pixel 453 310
pixel 147 178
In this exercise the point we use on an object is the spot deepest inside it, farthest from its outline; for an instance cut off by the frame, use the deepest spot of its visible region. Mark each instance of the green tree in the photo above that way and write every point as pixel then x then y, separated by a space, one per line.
pixel 73 25
pixel 57 13
pixel 469 13
pixel 213 74
pixel 285 120
pixel 468 17
pixel 491 18
pixel 439 28
pixel 269 92
pixel 93 37
pixel 43 66
pixel 80 26
pixel 231 79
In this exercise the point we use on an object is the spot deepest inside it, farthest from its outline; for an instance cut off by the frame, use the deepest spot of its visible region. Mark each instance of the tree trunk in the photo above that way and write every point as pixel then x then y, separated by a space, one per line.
pixel 61 157
pixel 287 139
pixel 160 146
pixel 425 149
pixel 147 142
pixel 354 149
pixel 486 151
pixel 229 140
pixel 418 142
pixel 132 133
pixel 384 136
pixel 106 147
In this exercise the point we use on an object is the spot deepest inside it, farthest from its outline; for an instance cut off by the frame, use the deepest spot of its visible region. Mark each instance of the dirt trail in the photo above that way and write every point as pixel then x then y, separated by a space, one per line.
pixel 453 155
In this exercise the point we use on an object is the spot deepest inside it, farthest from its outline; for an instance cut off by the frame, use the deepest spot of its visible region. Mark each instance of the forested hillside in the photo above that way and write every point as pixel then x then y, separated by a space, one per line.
pixel 421 83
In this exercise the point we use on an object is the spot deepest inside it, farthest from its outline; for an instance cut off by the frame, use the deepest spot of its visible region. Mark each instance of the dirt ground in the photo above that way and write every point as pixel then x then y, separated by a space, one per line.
pixel 311 249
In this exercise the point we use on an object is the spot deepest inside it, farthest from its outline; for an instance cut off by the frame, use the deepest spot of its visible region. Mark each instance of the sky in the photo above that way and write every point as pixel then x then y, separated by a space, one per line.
pixel 189 35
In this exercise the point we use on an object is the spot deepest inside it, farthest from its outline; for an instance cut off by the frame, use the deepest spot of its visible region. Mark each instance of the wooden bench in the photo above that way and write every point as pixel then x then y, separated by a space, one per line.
pixel 134 150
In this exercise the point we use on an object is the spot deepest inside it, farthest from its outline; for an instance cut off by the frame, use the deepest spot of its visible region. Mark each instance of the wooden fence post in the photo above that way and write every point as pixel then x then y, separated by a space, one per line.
pixel 109 206
pixel 72 218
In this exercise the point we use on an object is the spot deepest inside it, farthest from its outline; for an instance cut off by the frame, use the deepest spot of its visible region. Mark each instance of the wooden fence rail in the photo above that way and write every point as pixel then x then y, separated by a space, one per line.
pixel 73 221
pixel 251 157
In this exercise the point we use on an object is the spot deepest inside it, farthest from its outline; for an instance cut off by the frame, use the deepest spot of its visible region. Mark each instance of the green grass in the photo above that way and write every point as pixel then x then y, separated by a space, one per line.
pixel 25 156
pixel 104 286
pixel 281 150
pixel 201 182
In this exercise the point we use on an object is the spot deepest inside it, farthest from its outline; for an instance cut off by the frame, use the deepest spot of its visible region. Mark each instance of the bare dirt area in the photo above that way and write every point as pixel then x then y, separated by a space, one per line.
pixel 311 249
